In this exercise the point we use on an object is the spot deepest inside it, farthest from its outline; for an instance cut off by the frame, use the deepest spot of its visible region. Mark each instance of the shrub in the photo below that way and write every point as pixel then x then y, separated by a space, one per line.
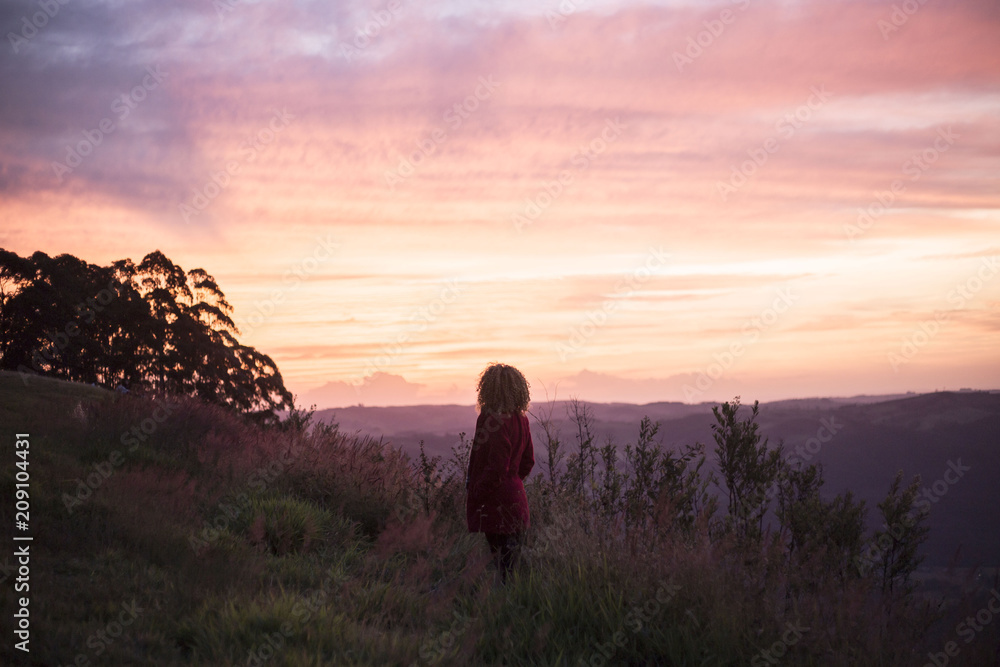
pixel 749 469
pixel 284 524
pixel 624 562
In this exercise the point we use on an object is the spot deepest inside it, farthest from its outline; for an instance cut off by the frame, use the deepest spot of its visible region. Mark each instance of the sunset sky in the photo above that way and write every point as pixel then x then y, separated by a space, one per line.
pixel 635 201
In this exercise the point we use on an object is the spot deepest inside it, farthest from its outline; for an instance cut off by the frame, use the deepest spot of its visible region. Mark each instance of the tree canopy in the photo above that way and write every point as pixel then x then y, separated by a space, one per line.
pixel 148 326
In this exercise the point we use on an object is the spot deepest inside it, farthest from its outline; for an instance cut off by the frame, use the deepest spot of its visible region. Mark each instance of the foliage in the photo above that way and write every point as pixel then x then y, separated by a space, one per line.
pixel 647 490
pixel 749 469
pixel 824 538
pixel 149 327
pixel 440 486
pixel 580 478
pixel 327 548
pixel 898 541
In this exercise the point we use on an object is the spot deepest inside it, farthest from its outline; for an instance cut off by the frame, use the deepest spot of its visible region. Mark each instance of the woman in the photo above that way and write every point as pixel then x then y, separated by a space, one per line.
pixel 501 457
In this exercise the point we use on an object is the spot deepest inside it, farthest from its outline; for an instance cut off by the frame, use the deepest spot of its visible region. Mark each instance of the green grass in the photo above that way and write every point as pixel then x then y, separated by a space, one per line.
pixel 214 555
pixel 30 394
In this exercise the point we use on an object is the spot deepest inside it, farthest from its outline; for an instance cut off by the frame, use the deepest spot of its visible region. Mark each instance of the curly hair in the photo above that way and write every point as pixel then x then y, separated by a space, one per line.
pixel 502 389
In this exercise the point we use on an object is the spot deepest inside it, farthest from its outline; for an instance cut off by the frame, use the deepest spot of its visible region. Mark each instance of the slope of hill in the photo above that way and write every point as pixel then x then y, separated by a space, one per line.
pixel 166 531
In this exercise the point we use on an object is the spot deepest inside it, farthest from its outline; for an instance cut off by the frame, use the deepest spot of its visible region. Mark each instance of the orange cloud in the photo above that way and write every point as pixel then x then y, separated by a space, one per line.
pixel 536 165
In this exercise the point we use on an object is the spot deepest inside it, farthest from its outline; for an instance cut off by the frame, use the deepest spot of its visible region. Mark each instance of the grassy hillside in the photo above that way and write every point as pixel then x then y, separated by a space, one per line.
pixel 169 532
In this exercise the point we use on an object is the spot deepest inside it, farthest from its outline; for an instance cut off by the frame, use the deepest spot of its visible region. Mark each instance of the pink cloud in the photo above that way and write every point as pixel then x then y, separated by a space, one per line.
pixel 655 183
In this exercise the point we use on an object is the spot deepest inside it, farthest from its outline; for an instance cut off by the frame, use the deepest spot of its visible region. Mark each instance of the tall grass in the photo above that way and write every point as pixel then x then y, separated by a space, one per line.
pixel 304 545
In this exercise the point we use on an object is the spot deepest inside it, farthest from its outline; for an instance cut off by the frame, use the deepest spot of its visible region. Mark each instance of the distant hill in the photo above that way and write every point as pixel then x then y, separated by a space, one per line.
pixel 871 437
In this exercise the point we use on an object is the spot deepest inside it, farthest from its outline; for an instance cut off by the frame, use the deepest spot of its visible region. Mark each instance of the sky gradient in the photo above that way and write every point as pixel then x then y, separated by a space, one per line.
pixel 628 201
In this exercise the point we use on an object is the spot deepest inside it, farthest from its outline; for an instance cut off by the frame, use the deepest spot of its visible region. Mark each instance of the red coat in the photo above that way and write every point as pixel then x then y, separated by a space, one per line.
pixel 502 456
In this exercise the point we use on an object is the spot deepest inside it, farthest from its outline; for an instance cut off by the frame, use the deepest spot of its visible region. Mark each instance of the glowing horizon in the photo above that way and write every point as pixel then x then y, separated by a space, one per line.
pixel 652 201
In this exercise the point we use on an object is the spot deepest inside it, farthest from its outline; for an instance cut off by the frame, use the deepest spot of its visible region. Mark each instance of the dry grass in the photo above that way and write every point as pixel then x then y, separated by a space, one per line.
pixel 311 546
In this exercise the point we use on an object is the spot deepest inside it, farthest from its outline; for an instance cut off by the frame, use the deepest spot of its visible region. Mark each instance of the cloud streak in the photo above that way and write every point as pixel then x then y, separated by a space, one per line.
pixel 230 67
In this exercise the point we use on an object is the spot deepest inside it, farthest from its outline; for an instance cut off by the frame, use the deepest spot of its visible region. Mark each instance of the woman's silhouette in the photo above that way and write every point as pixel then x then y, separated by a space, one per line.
pixel 502 456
